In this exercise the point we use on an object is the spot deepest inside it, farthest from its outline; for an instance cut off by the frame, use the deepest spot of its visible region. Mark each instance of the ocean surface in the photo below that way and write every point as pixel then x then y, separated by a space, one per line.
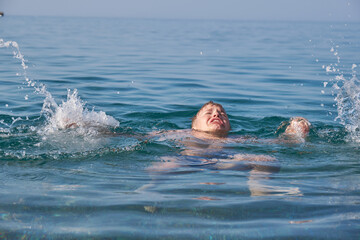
pixel 87 106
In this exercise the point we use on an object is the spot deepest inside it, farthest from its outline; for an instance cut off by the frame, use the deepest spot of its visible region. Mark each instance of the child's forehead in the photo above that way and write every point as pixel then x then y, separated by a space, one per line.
pixel 211 107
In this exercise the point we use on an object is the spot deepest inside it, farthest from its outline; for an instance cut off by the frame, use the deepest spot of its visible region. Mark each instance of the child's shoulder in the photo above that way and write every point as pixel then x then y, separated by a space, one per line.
pixel 171 134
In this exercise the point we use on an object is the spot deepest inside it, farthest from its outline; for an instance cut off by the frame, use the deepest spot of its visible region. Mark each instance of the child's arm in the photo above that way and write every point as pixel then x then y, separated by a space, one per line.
pixel 258 183
pixel 296 131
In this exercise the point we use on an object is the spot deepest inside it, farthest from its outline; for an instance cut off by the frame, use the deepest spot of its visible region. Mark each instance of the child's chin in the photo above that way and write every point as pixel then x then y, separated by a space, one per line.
pixel 218 130
pixel 216 126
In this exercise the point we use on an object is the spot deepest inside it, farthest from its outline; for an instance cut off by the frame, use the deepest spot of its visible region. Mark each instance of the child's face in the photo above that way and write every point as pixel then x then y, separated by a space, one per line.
pixel 213 119
pixel 299 126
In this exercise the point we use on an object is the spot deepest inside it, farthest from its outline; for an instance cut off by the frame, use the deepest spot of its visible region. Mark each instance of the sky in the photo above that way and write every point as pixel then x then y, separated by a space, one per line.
pixel 289 10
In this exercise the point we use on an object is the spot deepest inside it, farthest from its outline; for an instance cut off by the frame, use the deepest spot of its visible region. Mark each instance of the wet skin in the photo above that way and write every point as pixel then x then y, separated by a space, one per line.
pixel 212 119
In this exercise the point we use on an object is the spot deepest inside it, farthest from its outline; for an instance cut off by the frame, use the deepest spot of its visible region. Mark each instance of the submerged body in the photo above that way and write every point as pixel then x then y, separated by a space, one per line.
pixel 205 147
pixel 209 134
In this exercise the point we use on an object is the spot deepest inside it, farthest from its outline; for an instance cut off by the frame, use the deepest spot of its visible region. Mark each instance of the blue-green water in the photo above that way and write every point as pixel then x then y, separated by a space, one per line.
pixel 136 77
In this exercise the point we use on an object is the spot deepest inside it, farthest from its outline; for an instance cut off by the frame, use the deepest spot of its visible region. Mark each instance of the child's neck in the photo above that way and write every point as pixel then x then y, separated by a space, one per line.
pixel 209 135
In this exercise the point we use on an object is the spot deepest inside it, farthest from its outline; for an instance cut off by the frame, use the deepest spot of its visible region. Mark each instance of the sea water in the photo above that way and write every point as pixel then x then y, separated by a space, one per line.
pixel 82 101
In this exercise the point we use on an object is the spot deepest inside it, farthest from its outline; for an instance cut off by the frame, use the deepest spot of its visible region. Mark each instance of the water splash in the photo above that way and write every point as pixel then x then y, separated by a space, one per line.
pixel 39 88
pixel 69 127
pixel 18 55
pixel 69 114
pixel 346 90
pixel 73 114
pixel 348 105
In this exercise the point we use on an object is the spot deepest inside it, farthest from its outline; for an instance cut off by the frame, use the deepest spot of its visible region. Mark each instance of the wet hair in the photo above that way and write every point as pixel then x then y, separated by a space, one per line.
pixel 206 104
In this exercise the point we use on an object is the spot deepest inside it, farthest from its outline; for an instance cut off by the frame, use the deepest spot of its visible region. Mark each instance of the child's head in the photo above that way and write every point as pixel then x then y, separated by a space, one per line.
pixel 211 118
pixel 298 126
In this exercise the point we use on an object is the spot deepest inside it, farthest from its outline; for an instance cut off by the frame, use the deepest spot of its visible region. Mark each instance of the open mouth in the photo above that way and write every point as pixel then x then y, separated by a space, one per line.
pixel 216 120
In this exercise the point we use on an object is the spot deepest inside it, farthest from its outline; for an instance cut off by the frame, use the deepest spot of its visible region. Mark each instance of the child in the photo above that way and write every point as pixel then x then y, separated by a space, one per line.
pixel 212 119
pixel 209 132
pixel 203 148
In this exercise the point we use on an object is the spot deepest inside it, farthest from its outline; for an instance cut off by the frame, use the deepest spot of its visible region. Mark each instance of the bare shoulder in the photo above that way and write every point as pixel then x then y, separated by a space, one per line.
pixel 170 134
pixel 242 139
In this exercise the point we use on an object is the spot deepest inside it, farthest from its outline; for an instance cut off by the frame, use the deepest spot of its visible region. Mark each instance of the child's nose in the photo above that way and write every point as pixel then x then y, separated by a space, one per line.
pixel 216 114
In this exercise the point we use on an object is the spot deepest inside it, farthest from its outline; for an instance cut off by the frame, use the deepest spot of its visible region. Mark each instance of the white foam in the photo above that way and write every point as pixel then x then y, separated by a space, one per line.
pixel 330 69
pixel 348 106
pixel 73 114
pixel 69 114
pixel 347 97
